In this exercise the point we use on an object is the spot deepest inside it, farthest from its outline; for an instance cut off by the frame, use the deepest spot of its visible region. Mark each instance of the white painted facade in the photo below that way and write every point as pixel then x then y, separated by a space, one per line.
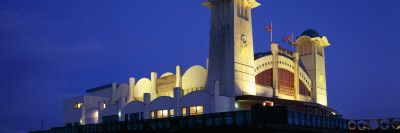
pixel 231 71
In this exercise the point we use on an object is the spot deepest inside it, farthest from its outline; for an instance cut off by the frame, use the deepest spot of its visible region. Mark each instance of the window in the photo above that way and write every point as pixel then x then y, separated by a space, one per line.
pixel 159 113
pixel 171 113
pixel 152 114
pixel 303 89
pixel 286 82
pixel 134 116
pixel 126 117
pixel 264 78
pixel 162 113
pixel 286 78
pixel 184 112
pixel 196 110
pixel 78 105
pixel 110 118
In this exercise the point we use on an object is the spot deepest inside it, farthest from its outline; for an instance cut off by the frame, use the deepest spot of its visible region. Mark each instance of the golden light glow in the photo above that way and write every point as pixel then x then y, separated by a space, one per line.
pixel 159 113
pixel 78 105
pixel 165 113
pixel 104 105
pixel 196 110
pixel 199 109
pixel 322 41
pixel 152 114
pixel 171 112
pixel 184 112
pixel 192 110
pixel 321 78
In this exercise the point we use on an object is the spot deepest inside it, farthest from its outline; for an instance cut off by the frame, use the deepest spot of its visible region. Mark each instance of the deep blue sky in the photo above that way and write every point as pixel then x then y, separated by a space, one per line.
pixel 52 50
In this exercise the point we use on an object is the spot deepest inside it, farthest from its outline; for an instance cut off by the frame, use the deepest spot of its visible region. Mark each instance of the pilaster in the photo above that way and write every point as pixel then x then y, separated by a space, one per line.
pixel 296 74
pixel 176 100
pixel 275 74
pixel 146 100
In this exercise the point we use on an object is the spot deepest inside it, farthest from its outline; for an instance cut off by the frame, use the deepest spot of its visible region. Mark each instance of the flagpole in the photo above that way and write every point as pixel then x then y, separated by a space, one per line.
pixel 292 42
pixel 271 32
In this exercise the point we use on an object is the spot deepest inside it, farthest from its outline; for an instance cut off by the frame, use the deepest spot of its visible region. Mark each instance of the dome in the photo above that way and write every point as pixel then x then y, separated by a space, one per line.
pixel 311 33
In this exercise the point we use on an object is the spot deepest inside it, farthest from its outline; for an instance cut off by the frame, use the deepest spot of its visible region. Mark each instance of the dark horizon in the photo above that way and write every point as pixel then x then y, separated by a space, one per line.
pixel 52 50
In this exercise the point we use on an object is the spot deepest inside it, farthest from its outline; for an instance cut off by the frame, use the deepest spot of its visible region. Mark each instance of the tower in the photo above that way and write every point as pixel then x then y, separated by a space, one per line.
pixel 310 47
pixel 231 57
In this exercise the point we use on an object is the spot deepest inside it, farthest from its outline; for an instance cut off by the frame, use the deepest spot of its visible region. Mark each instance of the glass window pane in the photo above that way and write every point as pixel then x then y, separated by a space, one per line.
pixel 192 110
pixel 152 114
pixel 165 113
pixel 159 113
pixel 171 112
pixel 199 109
pixel 184 111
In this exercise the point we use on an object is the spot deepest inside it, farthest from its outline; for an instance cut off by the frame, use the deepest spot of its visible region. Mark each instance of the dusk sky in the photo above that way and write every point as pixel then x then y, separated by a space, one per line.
pixel 56 49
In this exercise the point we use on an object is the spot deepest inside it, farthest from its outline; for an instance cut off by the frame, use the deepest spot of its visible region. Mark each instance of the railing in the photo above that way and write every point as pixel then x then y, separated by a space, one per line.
pixel 216 120
pixel 240 120
pixel 309 120
pixel 379 125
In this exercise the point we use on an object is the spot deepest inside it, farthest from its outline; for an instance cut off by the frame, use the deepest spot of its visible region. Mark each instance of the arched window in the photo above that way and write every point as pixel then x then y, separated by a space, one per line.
pixel 264 78
pixel 303 89
pixel 286 78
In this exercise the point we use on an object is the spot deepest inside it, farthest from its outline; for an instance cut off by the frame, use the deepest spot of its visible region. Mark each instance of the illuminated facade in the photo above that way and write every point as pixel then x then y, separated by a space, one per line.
pixel 234 79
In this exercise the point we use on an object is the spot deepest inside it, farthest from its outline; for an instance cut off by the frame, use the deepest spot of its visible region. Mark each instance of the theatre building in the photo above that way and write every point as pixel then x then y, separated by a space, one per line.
pixel 234 78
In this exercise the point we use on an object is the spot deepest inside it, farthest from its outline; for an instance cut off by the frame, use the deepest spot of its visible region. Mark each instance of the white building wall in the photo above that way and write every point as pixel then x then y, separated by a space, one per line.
pixel 106 92
pixel 161 103
pixel 70 114
pixel 197 98
pixel 134 107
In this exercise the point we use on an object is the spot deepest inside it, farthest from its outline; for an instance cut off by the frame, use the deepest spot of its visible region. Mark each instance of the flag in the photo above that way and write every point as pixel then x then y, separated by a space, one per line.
pixel 288 38
pixel 268 28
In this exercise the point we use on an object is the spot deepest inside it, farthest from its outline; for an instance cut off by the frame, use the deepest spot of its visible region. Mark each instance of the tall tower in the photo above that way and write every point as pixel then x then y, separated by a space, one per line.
pixel 310 47
pixel 231 56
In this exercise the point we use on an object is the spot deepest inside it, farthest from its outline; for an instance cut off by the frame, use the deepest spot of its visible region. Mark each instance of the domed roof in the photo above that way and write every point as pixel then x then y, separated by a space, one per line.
pixel 311 33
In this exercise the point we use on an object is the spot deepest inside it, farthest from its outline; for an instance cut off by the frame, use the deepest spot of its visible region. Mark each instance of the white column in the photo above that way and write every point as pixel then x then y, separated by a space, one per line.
pixel 131 85
pixel 100 112
pixel 153 91
pixel 83 113
pixel 215 98
pixel 146 100
pixel 296 75
pixel 114 87
pixel 275 74
pixel 178 77
pixel 207 64
pixel 177 99
pixel 121 108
